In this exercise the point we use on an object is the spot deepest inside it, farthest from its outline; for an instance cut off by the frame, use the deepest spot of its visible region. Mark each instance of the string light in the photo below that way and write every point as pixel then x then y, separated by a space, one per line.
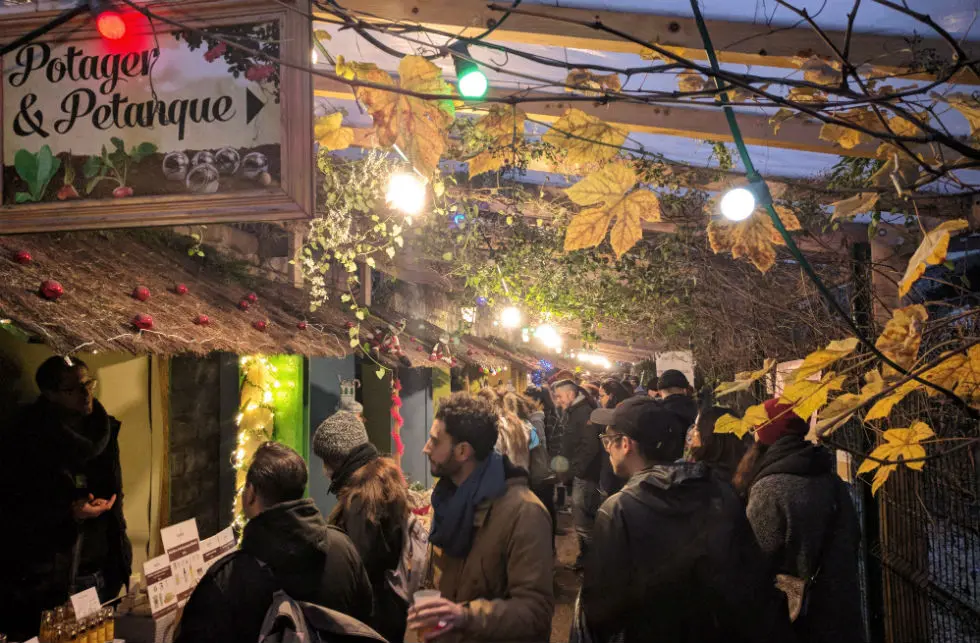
pixel 406 193
pixel 547 335
pixel 595 360
pixel 510 317
pixel 255 421
pixel 737 204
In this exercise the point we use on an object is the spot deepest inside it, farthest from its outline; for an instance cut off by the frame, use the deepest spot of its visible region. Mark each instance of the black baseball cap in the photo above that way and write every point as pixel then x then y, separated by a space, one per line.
pixel 659 430
pixel 674 379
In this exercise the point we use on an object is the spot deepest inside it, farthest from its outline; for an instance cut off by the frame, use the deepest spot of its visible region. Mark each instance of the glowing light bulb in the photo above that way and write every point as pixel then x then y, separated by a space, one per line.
pixel 473 84
pixel 110 25
pixel 314 57
pixel 737 204
pixel 406 193
pixel 510 317
pixel 548 336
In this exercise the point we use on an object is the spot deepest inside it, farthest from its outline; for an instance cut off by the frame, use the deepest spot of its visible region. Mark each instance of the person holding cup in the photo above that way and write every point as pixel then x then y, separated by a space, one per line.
pixel 491 536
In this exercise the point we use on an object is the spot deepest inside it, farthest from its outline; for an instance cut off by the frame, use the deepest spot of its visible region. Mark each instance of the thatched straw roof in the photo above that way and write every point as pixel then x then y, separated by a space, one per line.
pixel 99 272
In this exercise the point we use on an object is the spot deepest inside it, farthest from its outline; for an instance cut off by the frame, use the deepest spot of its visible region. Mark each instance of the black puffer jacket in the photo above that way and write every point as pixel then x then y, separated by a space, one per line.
pixel 580 441
pixel 303 556
pixel 44 467
pixel 673 559
pixel 683 405
pixel 794 500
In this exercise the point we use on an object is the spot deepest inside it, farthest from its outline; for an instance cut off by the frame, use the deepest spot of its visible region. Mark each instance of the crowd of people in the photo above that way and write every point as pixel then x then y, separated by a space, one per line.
pixel 684 535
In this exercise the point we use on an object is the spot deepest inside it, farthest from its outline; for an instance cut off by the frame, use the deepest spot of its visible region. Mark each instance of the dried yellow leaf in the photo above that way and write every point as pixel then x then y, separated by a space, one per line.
pixel 817 71
pixel 968 377
pixel 745 379
pixel 900 446
pixel 968 106
pixel 753 238
pixel 931 252
pixel 585 82
pixel 883 407
pixel 881 475
pixel 846 137
pixel 807 397
pixel 820 359
pixel 754 416
pixel 861 203
pixel 901 337
pixel 898 166
pixel 584 137
pixel 610 187
pixel 418 127
pixel 501 127
pixel 780 117
pixel 806 95
pixel 329 133
pixel 843 407
pixel 691 81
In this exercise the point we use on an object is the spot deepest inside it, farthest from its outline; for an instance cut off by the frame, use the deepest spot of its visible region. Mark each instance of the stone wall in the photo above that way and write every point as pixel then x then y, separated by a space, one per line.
pixel 195 443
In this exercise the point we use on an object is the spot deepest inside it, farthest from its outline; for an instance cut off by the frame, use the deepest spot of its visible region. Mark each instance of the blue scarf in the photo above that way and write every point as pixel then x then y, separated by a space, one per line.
pixel 454 507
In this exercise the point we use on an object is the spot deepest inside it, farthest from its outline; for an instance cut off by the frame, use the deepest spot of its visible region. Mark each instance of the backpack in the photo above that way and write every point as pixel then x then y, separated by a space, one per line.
pixel 414 562
pixel 291 621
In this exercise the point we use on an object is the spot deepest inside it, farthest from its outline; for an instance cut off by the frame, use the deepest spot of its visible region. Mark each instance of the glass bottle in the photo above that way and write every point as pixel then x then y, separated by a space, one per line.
pixel 110 624
pixel 59 634
pixel 93 630
pixel 59 616
pixel 99 619
pixel 47 624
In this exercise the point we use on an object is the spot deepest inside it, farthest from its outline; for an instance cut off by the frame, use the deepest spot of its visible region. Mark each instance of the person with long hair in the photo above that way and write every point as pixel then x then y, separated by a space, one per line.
pixel 721 452
pixel 372 509
pixel 612 393
pixel 513 438
pixel 804 520
pixel 542 478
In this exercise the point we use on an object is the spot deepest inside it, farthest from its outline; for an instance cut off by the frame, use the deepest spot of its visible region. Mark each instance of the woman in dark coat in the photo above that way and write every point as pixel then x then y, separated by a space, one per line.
pixel 804 520
pixel 720 451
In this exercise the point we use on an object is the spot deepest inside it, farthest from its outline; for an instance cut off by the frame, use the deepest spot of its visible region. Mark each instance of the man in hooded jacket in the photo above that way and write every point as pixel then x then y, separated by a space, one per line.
pixel 63 526
pixel 674 392
pixel 286 545
pixel 673 557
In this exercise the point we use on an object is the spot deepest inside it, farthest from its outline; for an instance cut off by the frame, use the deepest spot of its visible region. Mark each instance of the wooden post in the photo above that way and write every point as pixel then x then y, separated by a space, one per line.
pixel 364 297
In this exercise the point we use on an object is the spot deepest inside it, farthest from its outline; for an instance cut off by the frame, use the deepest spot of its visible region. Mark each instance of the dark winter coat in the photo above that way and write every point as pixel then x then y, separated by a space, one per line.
pixel 45 466
pixel 373 511
pixel 673 559
pixel 302 555
pixel 793 500
pixel 683 405
pixel 580 441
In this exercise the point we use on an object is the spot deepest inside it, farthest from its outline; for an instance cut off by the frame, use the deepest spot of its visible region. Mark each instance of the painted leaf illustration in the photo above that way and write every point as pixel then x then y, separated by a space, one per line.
pixel 745 379
pixel 821 359
pixel 858 204
pixel 502 127
pixel 585 138
pixel 330 134
pixel 843 407
pixel 900 446
pixel 582 81
pixel 901 338
pixel 931 252
pixel 968 106
pixel 691 81
pixel 754 416
pixel 609 189
pixel 807 397
pixel 754 238
pixel 418 127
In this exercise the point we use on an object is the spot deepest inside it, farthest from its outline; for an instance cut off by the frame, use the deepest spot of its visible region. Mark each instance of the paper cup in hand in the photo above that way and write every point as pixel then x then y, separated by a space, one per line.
pixel 419 599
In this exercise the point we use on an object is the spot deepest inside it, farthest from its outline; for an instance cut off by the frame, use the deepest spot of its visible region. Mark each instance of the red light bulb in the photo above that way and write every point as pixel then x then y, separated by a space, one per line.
pixel 110 25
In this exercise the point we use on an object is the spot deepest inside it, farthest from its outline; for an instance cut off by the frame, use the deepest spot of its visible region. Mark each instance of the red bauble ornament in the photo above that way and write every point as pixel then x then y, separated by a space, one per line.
pixel 141 293
pixel 301 325
pixel 420 349
pixel 243 304
pixel 180 289
pixel 203 320
pixel 252 297
pixel 260 325
pixel 143 322
pixel 349 325
pixel 452 362
pixel 51 290
pixel 433 358
pixel 23 257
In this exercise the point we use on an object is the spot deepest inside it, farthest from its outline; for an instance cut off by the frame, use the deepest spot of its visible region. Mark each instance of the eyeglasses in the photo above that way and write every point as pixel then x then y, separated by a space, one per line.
pixel 82 387
pixel 610 438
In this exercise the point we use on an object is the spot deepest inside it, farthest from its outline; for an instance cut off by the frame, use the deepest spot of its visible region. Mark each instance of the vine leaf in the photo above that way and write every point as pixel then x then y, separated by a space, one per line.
pixel 780 117
pixel 968 106
pixel 816 70
pixel 821 359
pixel 329 133
pixel 852 206
pixel 846 137
pixel 901 338
pixel 691 81
pixel 754 238
pixel 585 82
pixel 501 127
pixel 931 252
pixel 897 166
pixel 418 127
pixel 843 407
pixel 754 416
pixel 584 137
pixel 745 379
pixel 808 396
pixel 609 188
pixel 883 407
pixel 901 445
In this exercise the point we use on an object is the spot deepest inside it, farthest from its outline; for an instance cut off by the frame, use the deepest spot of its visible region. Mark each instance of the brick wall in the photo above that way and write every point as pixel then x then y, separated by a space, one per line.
pixel 195 443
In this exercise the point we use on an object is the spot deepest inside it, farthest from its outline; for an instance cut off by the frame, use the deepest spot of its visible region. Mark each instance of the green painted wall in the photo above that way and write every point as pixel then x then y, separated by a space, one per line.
pixel 290 399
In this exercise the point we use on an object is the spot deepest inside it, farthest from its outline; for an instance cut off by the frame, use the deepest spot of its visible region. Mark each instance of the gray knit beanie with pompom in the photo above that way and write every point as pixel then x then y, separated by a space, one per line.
pixel 340 434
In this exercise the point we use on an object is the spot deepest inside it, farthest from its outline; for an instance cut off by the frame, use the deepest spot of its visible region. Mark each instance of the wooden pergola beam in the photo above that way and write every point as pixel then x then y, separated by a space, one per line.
pixel 737 42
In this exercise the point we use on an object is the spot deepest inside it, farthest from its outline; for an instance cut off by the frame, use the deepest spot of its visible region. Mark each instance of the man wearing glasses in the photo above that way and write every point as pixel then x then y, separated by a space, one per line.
pixel 60 498
pixel 673 557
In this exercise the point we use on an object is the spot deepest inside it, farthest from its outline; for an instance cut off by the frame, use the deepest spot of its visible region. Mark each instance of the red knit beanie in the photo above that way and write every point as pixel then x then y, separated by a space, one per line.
pixel 783 421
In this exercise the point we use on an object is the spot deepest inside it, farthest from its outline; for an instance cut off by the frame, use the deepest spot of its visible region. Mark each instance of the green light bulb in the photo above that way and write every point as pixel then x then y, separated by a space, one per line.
pixel 473 84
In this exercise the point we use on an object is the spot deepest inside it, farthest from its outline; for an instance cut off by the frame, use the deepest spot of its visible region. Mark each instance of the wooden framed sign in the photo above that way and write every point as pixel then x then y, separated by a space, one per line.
pixel 170 125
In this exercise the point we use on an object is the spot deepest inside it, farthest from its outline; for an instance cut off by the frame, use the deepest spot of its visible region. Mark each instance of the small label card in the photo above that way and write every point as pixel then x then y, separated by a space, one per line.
pixel 217 546
pixel 86 603
pixel 161 588
pixel 183 545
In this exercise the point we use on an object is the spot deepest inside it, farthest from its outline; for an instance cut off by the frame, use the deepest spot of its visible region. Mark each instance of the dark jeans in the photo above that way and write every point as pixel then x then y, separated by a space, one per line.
pixel 585 506
pixel 546 494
